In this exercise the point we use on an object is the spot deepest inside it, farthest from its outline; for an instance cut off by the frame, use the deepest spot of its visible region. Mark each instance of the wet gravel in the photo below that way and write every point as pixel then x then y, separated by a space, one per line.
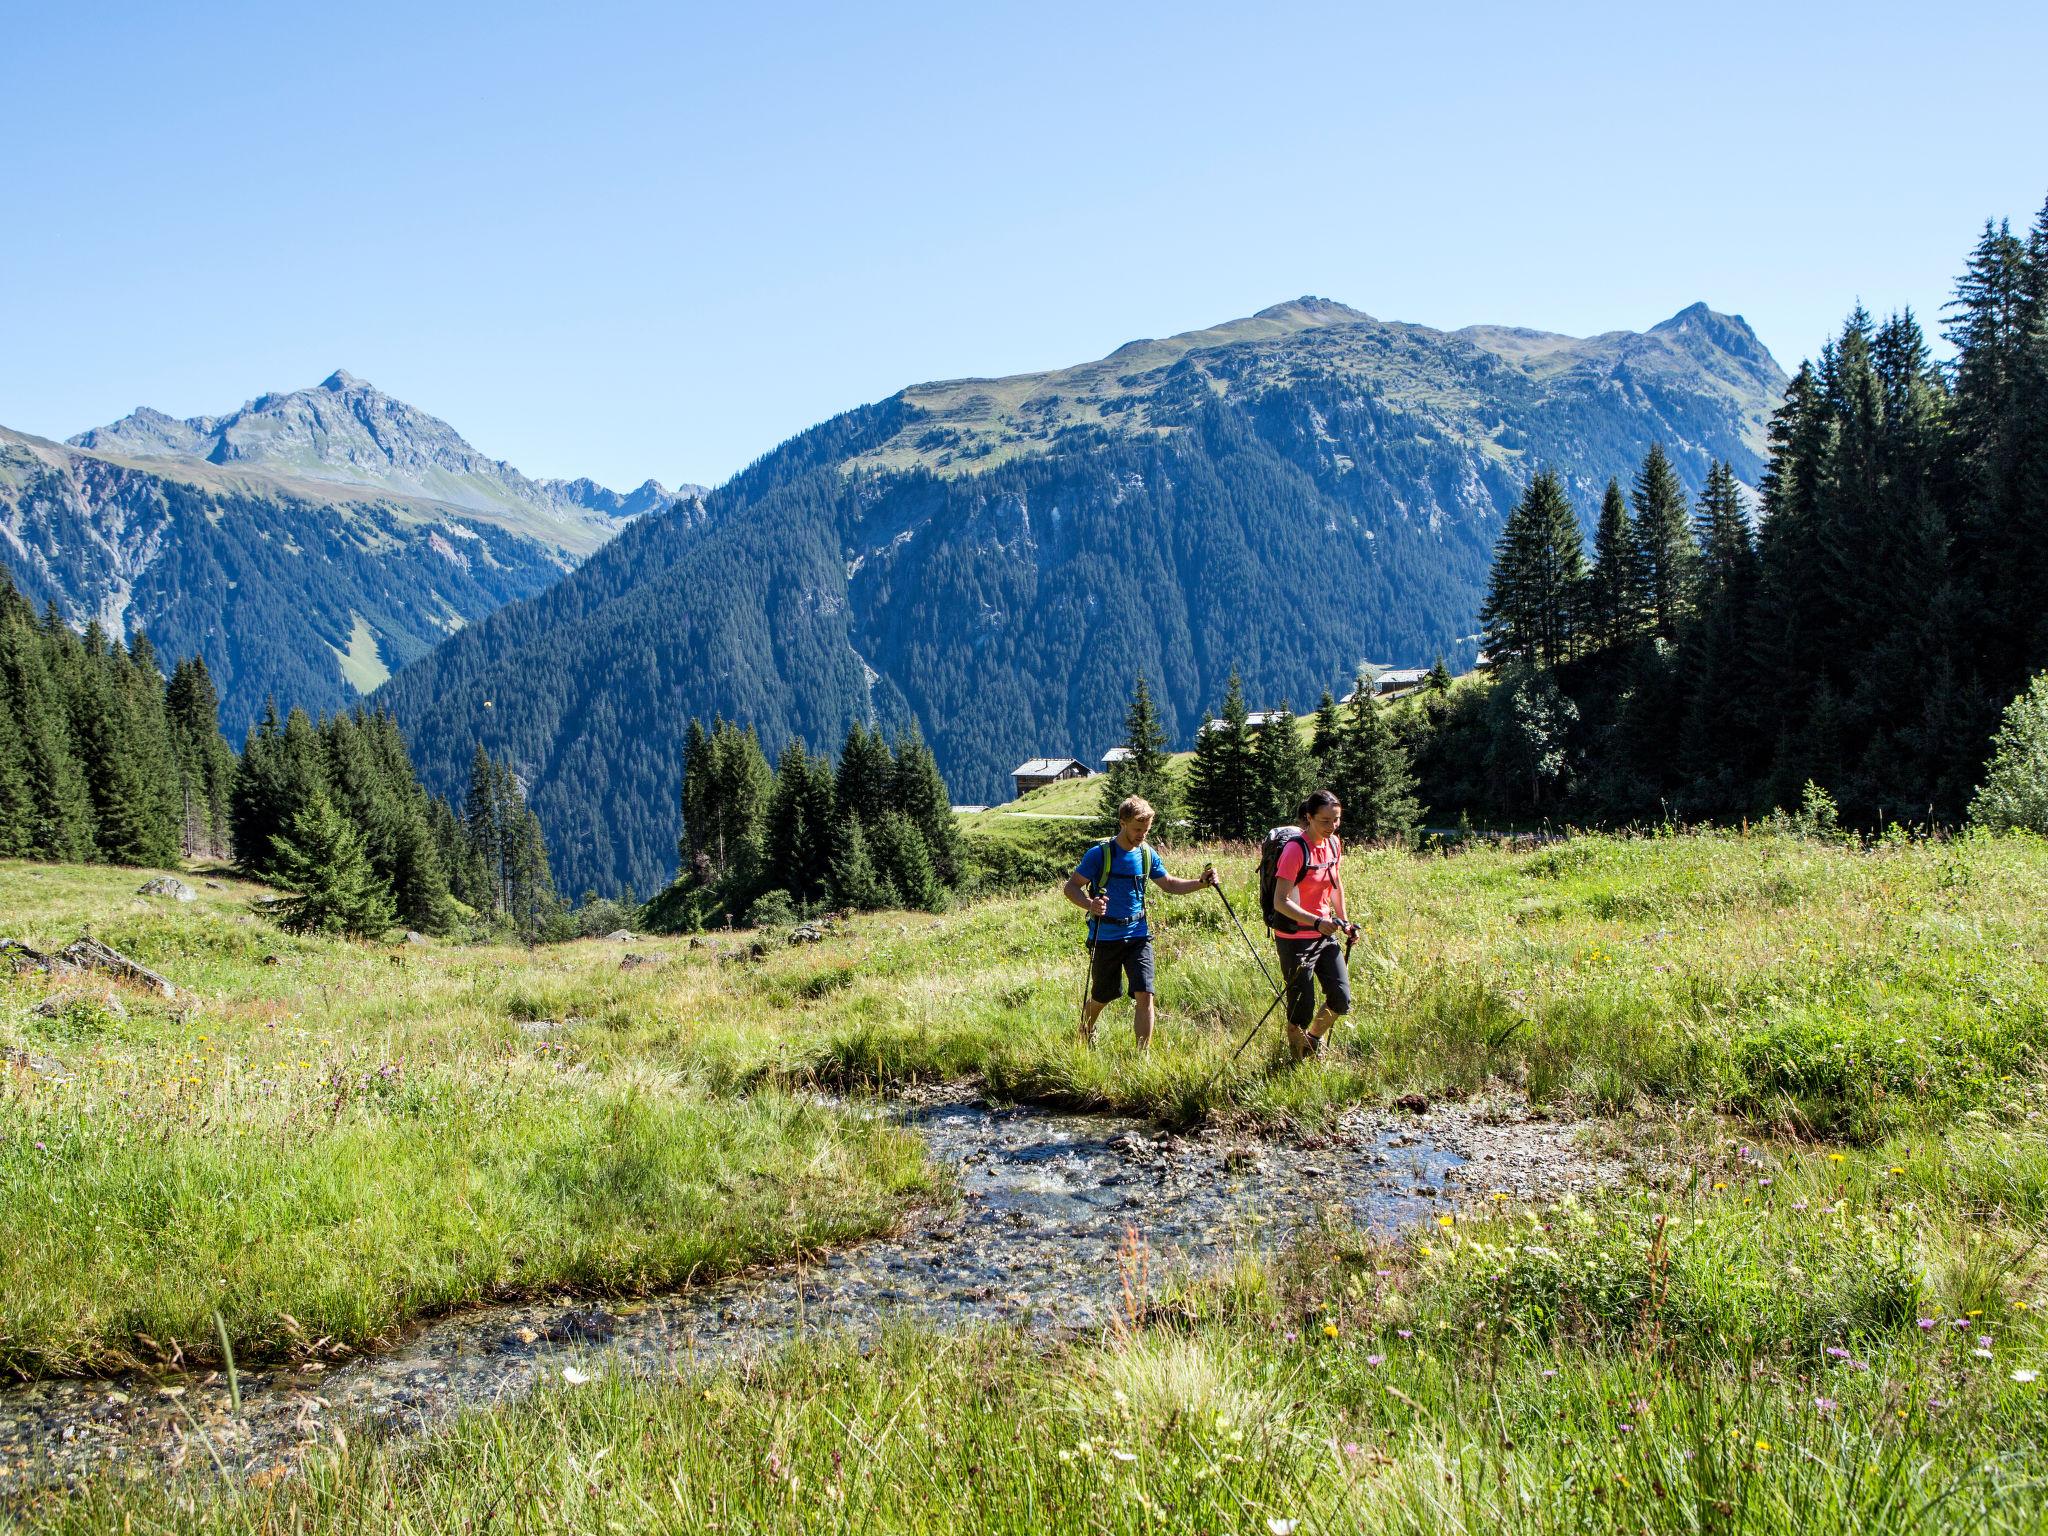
pixel 1046 1202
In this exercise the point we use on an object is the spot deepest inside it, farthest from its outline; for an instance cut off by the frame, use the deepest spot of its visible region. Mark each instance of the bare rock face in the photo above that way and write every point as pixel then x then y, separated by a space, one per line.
pixel 637 962
pixel 165 885
pixel 619 936
pixel 89 954
pixel 20 957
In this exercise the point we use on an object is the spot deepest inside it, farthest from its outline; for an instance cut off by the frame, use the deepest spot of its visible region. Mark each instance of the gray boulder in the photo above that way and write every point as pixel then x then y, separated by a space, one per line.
pixel 165 885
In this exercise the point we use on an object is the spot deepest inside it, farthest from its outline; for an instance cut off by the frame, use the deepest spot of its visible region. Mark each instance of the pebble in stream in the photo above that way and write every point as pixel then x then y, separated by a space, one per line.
pixel 1046 1202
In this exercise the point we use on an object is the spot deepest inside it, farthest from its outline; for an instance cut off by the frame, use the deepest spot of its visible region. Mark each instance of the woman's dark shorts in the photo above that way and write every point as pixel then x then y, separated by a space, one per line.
pixel 1328 965
pixel 1119 960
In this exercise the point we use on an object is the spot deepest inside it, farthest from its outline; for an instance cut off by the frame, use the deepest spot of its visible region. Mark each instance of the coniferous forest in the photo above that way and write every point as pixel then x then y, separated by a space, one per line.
pixel 1863 633
pixel 761 845
pixel 103 759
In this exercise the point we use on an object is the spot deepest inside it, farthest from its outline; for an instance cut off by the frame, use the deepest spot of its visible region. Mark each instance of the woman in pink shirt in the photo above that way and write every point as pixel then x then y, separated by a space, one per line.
pixel 1308 889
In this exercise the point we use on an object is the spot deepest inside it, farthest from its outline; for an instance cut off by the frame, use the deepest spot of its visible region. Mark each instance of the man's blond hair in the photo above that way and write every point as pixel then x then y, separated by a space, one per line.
pixel 1133 808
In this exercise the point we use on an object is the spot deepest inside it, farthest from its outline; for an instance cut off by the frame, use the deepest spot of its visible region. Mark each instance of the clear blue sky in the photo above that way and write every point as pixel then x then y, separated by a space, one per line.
pixel 630 240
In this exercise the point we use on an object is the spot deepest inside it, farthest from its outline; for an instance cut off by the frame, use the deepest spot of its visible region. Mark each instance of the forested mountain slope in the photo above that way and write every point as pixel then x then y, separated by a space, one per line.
pixel 1288 494
pixel 306 546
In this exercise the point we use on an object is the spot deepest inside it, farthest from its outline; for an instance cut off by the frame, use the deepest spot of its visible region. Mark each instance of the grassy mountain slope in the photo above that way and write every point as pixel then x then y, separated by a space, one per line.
pixel 1821 1064
pixel 1287 494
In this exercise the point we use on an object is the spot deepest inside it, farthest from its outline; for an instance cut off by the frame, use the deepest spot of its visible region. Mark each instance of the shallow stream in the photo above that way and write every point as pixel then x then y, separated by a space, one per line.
pixel 1046 1201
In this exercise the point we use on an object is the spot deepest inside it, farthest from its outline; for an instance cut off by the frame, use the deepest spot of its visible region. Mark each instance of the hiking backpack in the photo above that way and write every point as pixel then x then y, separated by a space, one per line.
pixel 1269 873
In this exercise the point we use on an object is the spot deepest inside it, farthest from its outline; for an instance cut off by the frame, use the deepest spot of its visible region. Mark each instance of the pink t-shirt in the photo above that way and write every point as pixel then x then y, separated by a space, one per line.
pixel 1315 888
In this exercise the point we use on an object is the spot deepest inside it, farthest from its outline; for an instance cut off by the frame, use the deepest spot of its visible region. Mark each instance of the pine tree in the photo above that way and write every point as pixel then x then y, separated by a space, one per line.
pixel 856 883
pixel 697 796
pixel 798 844
pixel 1668 558
pixel 917 790
pixel 863 787
pixel 17 805
pixel 1438 682
pixel 903 859
pixel 2014 794
pixel 1326 744
pixel 1378 788
pixel 1532 602
pixel 483 827
pixel 60 815
pixel 1614 601
pixel 321 859
pixel 1147 771
pixel 1224 799
pixel 1286 773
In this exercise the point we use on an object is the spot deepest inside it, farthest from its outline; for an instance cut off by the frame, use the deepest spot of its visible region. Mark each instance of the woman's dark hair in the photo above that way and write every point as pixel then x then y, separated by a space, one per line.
pixel 1318 800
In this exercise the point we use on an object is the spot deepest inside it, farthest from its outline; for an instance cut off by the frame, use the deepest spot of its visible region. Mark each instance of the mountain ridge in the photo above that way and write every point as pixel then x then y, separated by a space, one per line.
pixel 305 544
pixel 993 559
pixel 346 430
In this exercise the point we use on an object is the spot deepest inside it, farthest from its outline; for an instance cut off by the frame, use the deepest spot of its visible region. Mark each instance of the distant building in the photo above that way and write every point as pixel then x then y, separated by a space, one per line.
pixel 1253 720
pixel 1117 755
pixel 1041 771
pixel 1390 680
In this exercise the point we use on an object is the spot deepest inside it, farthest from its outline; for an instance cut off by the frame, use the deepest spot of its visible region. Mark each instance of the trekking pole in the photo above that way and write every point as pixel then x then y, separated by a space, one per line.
pixel 1302 967
pixel 1248 944
pixel 1088 979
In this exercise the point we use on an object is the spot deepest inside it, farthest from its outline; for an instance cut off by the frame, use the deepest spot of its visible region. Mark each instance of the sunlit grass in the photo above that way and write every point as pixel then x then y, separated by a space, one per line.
pixel 1827 1063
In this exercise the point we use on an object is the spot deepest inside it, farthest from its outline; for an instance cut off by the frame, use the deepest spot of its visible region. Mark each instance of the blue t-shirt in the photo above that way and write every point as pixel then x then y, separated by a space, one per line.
pixel 1125 918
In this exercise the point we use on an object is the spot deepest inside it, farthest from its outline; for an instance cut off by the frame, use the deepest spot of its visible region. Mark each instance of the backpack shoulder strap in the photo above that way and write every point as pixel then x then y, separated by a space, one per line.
pixel 1101 881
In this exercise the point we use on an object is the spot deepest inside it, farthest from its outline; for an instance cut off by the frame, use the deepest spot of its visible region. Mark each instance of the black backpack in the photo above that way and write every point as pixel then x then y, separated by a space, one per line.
pixel 1269 874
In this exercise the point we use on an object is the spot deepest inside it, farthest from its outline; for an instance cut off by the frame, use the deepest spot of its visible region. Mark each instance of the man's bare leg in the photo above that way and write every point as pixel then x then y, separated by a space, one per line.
pixel 1141 1020
pixel 1320 1027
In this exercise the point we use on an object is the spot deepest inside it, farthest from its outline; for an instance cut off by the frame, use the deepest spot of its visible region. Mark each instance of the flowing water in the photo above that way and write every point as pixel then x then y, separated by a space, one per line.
pixel 1046 1202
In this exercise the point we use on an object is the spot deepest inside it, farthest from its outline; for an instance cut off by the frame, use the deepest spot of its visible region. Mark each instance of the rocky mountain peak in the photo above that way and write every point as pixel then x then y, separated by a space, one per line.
pixel 345 431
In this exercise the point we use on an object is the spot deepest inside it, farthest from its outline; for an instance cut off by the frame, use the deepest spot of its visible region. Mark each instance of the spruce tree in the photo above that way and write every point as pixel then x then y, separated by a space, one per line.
pixel 2014 794
pixel 1326 745
pixel 903 859
pixel 862 786
pixel 917 790
pixel 1614 601
pixel 1668 558
pixel 799 846
pixel 856 883
pixel 1286 772
pixel 1147 771
pixel 1224 799
pixel 1533 597
pixel 17 805
pixel 1378 790
pixel 60 814
pixel 483 827
pixel 321 860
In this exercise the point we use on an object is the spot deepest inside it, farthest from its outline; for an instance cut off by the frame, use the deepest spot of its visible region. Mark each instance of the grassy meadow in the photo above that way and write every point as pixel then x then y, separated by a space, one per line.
pixel 1815 1308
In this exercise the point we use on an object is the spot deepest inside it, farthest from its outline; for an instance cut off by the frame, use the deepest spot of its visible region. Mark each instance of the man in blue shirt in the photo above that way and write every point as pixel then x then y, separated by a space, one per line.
pixel 1109 885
